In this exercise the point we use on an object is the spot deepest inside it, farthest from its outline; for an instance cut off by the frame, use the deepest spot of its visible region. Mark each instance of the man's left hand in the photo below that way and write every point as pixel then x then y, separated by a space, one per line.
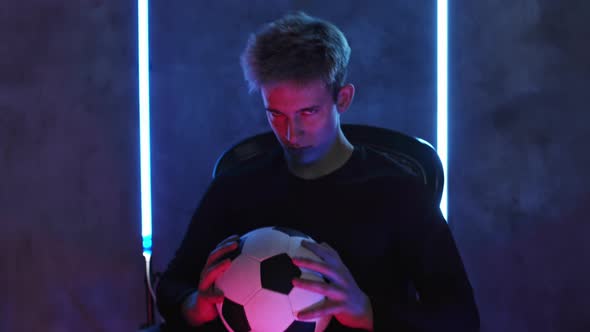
pixel 344 299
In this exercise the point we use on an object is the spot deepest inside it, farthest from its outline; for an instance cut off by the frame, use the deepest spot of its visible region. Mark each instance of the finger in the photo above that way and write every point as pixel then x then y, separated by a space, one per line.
pixel 230 238
pixel 320 267
pixel 331 291
pixel 325 309
pixel 325 253
pixel 212 273
pixel 221 251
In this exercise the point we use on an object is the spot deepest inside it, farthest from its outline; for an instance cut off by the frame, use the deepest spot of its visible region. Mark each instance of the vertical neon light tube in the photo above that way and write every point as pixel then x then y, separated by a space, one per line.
pixel 442 96
pixel 144 126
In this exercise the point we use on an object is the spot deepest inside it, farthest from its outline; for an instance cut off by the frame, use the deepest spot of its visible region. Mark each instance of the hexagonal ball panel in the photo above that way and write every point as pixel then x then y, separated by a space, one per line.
pixel 302 298
pixel 241 280
pixel 265 242
pixel 268 311
pixel 277 272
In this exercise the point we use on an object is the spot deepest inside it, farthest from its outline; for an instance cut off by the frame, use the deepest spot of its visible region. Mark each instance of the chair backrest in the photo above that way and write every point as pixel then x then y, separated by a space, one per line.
pixel 414 154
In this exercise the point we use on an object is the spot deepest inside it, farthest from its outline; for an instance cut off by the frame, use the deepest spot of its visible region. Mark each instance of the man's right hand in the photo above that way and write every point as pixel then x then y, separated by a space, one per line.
pixel 199 307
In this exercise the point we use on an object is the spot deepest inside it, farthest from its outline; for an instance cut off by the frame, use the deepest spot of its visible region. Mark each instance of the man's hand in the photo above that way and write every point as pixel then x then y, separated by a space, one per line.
pixel 344 299
pixel 199 308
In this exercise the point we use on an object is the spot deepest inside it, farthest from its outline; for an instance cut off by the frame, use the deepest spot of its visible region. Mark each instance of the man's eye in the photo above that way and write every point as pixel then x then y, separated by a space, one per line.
pixel 310 112
pixel 274 114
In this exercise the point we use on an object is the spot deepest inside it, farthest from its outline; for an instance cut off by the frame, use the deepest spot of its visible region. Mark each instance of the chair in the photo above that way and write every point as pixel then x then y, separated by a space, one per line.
pixel 414 154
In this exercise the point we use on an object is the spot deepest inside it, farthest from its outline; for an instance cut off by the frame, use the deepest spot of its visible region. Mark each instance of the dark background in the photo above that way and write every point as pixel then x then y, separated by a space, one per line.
pixel 70 246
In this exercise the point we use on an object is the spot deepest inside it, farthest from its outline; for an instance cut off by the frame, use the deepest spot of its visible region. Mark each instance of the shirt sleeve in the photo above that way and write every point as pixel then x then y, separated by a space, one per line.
pixel 182 274
pixel 445 296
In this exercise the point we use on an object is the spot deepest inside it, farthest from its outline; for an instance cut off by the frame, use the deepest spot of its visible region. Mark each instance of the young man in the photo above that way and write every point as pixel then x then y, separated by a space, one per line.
pixel 382 230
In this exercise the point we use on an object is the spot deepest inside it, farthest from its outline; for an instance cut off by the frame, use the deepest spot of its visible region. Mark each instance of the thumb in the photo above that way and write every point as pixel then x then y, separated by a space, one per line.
pixel 213 296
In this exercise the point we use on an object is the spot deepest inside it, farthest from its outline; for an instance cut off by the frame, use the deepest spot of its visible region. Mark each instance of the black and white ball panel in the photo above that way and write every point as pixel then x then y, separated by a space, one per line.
pixel 291 232
pixel 268 305
pixel 241 280
pixel 265 243
pixel 235 317
pixel 276 273
pixel 299 326
pixel 302 298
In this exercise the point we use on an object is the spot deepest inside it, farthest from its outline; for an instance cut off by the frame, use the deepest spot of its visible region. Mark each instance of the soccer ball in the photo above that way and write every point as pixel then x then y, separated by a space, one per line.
pixel 258 294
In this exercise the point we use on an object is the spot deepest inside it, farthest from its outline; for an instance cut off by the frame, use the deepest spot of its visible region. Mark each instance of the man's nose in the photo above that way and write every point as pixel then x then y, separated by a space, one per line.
pixel 293 132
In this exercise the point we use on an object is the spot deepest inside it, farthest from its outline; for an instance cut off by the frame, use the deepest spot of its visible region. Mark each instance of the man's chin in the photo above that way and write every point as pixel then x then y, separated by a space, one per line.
pixel 301 159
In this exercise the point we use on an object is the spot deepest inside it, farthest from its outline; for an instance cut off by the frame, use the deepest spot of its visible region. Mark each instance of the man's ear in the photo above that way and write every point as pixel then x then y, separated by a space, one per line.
pixel 345 96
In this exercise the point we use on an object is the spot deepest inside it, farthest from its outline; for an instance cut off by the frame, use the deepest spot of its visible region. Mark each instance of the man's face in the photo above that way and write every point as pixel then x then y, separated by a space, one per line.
pixel 303 117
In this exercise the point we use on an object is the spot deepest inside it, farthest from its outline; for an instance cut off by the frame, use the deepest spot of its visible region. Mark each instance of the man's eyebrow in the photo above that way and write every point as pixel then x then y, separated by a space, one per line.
pixel 300 110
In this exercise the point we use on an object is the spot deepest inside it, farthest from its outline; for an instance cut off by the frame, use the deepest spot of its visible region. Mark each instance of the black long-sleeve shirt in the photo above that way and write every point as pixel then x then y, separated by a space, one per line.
pixel 382 221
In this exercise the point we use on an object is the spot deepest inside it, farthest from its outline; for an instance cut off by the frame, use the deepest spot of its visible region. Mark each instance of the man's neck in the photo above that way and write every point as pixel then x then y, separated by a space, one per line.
pixel 337 155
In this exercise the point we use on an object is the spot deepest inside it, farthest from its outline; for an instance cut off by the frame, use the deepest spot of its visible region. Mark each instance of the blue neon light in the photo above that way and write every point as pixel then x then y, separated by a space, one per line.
pixel 442 96
pixel 144 125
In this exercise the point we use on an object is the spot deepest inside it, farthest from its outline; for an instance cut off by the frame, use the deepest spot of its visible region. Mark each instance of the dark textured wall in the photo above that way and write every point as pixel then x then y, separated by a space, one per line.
pixel 69 214
pixel 520 196
pixel 70 250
